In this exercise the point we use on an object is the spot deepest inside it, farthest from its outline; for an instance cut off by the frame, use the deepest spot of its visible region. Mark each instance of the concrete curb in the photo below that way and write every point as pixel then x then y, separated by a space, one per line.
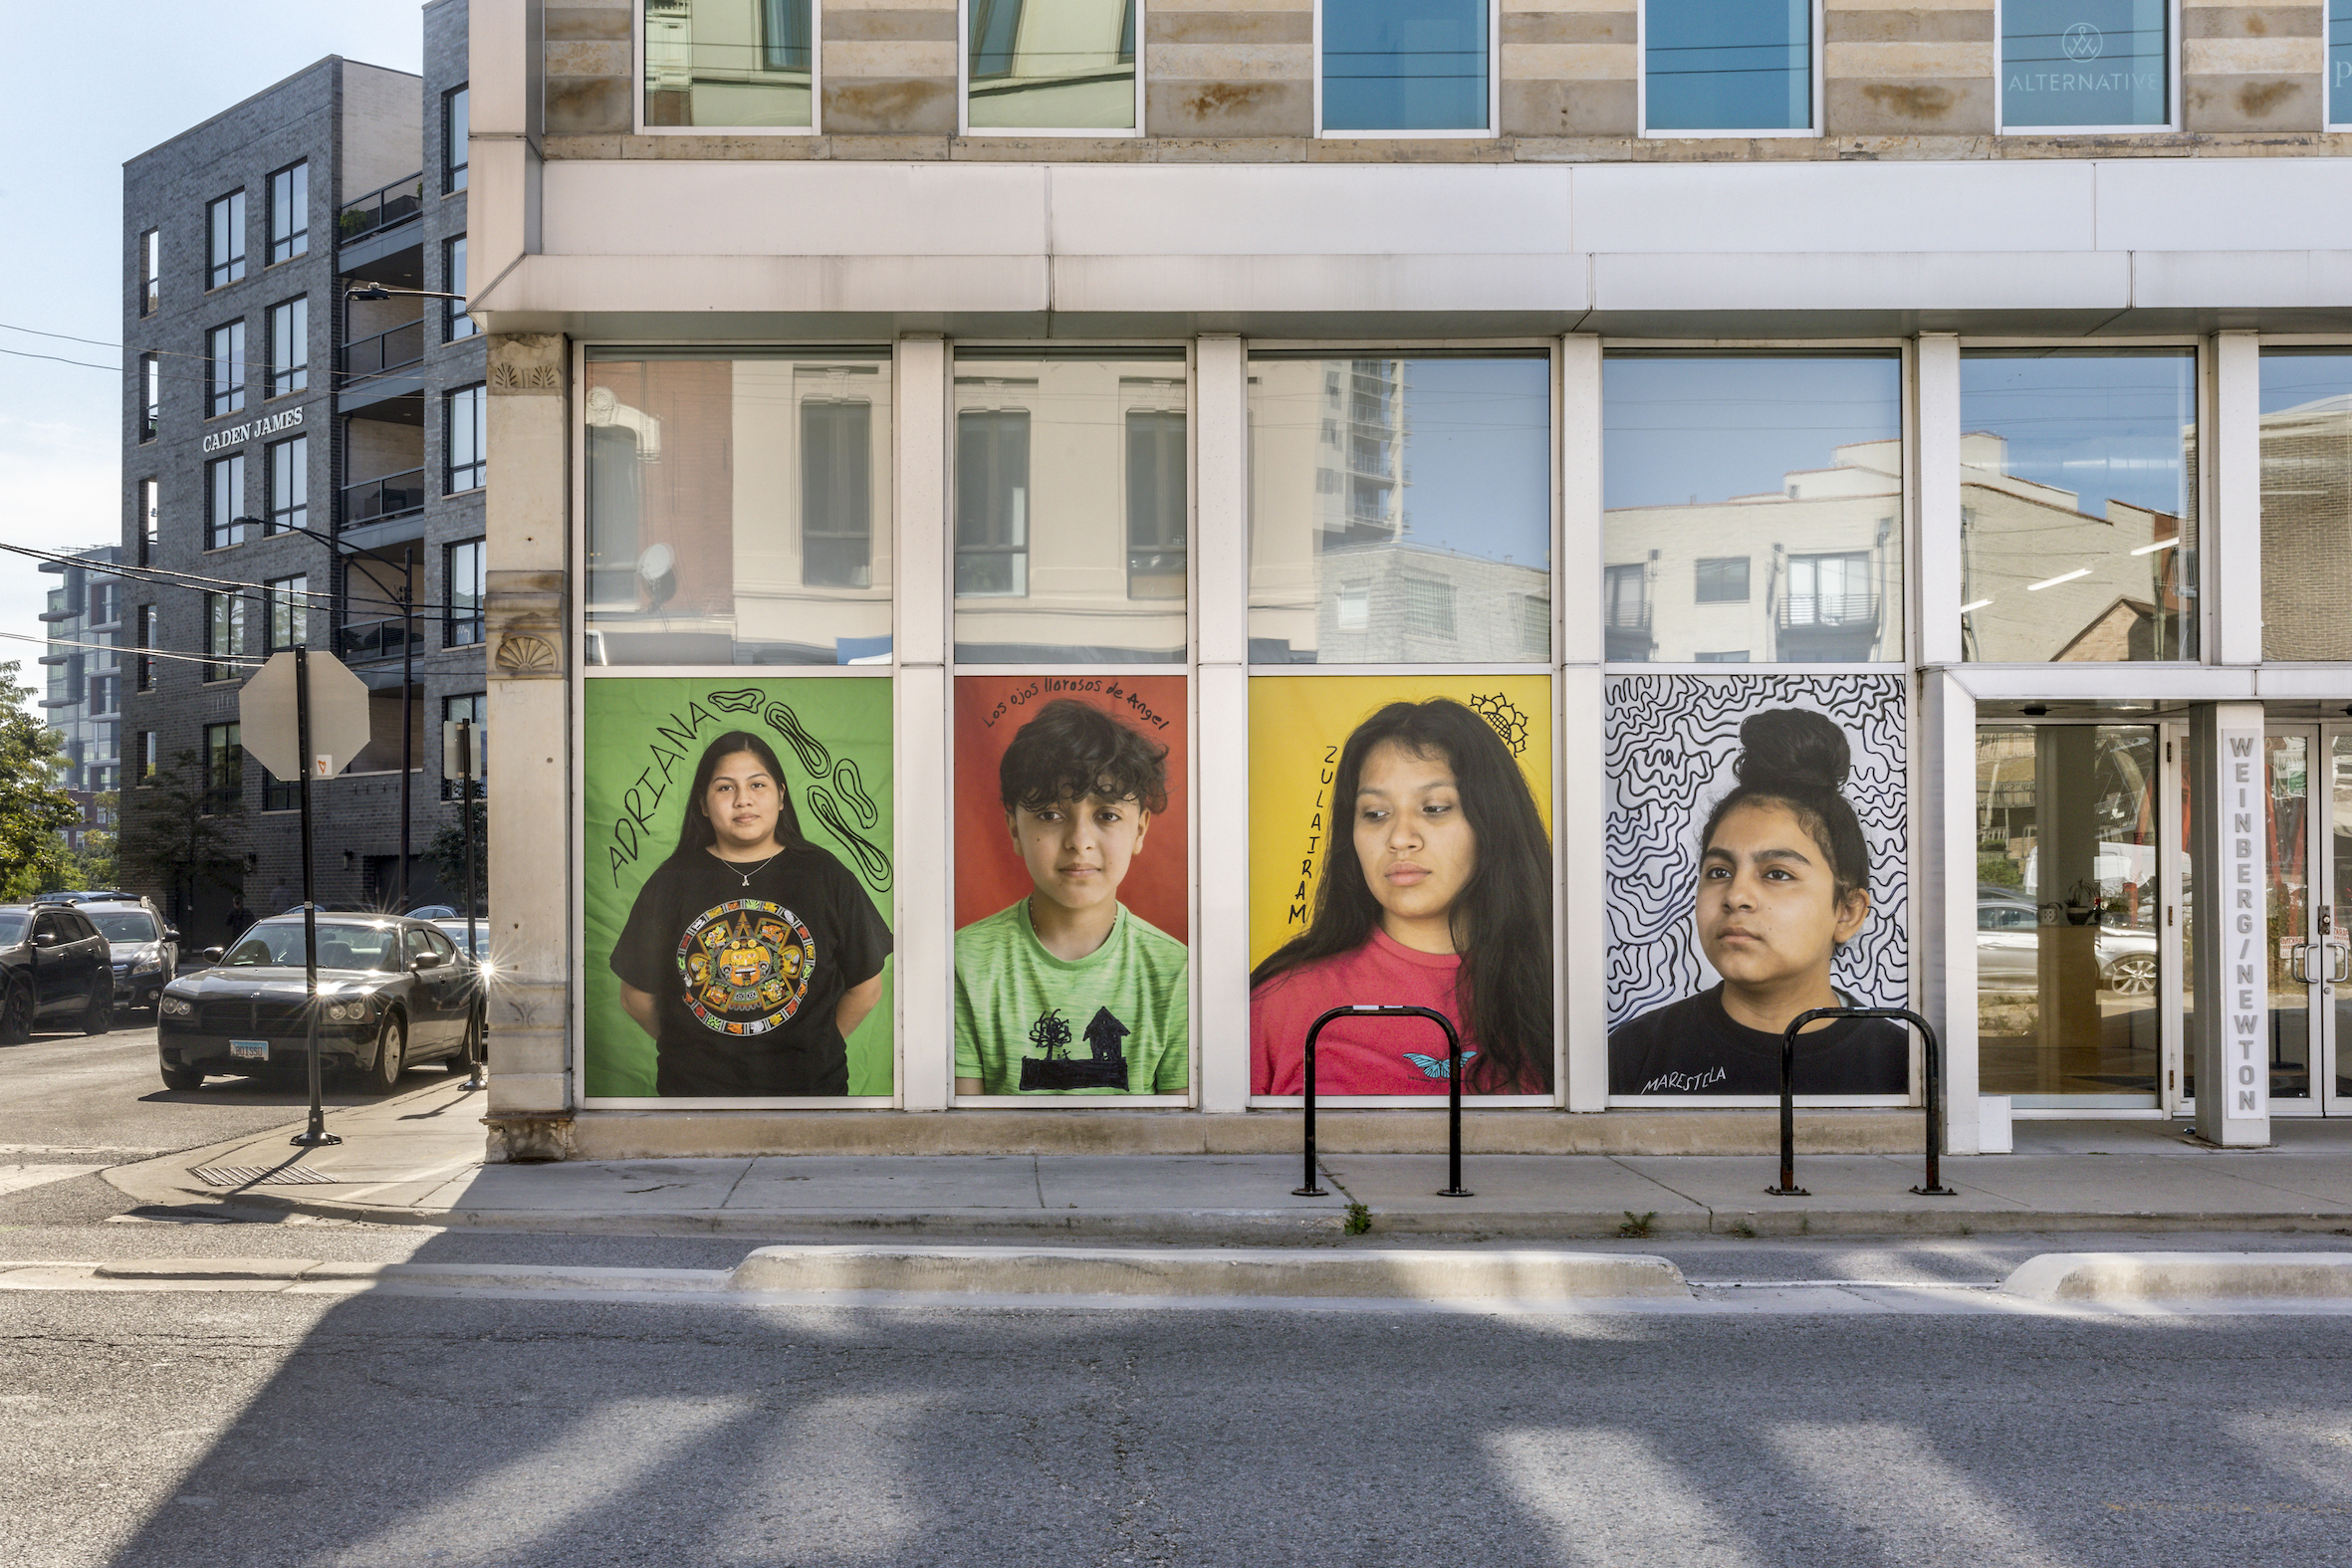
pixel 2181 1276
pixel 1365 1275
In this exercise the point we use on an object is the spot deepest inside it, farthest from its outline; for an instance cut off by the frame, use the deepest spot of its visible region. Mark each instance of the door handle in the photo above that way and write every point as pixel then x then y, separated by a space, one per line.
pixel 2298 962
pixel 2339 961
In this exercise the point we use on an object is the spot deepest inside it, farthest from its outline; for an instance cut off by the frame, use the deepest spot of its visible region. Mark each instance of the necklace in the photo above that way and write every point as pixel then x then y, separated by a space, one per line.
pixel 755 870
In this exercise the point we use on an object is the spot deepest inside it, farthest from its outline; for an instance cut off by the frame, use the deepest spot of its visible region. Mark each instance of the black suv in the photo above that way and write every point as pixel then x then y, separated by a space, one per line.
pixel 55 966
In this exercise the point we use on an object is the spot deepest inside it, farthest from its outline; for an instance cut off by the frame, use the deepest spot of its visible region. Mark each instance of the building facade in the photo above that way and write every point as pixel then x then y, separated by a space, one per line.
pixel 1933 424
pixel 303 464
pixel 83 700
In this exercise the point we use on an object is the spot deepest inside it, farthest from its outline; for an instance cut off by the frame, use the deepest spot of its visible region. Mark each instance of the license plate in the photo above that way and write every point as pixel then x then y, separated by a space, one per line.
pixel 251 1050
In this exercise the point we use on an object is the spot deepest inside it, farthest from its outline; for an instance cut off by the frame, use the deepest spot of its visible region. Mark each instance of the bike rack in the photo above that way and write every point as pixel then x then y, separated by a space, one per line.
pixel 1934 1186
pixel 1452 1186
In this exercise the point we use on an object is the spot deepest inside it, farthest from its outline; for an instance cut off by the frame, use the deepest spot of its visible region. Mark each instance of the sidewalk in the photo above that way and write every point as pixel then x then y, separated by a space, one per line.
pixel 417 1158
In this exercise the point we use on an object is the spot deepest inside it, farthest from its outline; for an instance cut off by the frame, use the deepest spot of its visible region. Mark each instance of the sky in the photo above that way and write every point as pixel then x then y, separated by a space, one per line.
pixel 106 92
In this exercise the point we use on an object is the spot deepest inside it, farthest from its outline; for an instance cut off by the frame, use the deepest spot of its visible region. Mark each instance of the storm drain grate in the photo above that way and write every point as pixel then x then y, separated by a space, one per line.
pixel 262 1176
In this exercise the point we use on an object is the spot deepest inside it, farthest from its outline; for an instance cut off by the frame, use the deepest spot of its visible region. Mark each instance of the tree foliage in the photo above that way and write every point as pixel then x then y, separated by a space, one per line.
pixel 35 809
pixel 447 852
pixel 181 839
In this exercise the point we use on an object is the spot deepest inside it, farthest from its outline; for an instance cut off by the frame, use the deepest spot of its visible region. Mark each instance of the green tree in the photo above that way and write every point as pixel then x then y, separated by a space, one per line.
pixel 182 839
pixel 35 809
pixel 447 852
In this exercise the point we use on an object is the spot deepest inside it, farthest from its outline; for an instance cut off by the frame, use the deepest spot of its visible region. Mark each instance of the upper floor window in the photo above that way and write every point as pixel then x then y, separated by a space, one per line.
pixel 290 212
pixel 2085 63
pixel 456 324
pixel 1379 480
pixel 142 637
pixel 290 484
pixel 224 240
pixel 2306 503
pixel 744 63
pixel 1710 65
pixel 469 438
pixel 1056 65
pixel 224 369
pixel 472 709
pixel 461 580
pixel 2078 525
pixel 144 757
pixel 288 600
pixel 151 395
pixel 150 271
pixel 1753 506
pixel 2339 65
pixel 1403 67
pixel 681 446
pixel 290 346
pixel 456 110
pixel 224 766
pixel 224 634
pixel 224 501
pixel 150 519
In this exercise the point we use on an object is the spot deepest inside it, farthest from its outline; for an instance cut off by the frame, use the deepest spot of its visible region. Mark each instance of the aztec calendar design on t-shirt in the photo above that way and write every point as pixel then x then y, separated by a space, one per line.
pixel 746 966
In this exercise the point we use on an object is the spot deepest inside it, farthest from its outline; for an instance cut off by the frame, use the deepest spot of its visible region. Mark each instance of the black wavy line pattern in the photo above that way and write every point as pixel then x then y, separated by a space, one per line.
pixel 1671 741
pixel 851 783
pixel 872 864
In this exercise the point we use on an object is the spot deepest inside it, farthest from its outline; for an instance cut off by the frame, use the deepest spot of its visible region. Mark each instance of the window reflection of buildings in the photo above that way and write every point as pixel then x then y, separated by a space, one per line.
pixel 1072 511
pixel 1824 582
pixel 727 63
pixel 1069 64
pixel 1338 580
pixel 2043 580
pixel 732 507
pixel 2308 530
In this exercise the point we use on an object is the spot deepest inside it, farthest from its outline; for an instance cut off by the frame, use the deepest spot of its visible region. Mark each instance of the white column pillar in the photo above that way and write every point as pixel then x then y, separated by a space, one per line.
pixel 1221 723
pixel 923 967
pixel 2230 544
pixel 1944 930
pixel 1935 498
pixel 2228 806
pixel 1583 639
pixel 1583 800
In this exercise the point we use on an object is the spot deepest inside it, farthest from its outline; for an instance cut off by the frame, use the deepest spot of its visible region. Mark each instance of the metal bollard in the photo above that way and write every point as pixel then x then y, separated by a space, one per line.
pixel 1934 1186
pixel 1452 1186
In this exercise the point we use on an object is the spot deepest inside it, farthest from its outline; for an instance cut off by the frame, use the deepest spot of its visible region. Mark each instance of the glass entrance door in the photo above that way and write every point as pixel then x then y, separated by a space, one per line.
pixel 2307 842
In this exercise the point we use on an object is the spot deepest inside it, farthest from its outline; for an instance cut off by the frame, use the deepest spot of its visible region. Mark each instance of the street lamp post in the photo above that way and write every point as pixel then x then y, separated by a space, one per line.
pixel 408 564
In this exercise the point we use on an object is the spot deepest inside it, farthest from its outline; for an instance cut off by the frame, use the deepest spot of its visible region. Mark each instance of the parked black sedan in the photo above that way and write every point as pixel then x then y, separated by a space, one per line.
pixel 391 992
pixel 55 968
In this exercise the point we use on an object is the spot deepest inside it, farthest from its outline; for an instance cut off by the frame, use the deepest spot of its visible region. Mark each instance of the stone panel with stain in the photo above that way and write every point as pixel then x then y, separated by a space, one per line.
pixel 1922 70
pixel 2253 67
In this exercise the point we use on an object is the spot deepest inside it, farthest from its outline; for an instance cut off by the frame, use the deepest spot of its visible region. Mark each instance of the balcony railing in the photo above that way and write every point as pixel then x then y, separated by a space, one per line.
pixel 1629 615
pixel 398 202
pixel 1829 611
pixel 391 496
pixel 379 639
pixel 386 351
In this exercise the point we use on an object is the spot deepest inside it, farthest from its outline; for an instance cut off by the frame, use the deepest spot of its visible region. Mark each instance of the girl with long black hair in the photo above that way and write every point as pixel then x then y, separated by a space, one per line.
pixel 751 955
pixel 1438 896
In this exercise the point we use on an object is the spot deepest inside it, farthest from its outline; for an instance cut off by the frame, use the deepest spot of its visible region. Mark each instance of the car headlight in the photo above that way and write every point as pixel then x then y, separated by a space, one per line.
pixel 178 1007
pixel 149 962
pixel 346 1011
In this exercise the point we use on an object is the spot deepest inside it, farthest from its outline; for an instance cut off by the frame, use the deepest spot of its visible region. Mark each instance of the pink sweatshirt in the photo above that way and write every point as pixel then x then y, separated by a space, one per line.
pixel 1356 1056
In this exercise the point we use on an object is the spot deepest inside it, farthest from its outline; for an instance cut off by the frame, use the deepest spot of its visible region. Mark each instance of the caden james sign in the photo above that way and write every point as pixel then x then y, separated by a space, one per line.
pixel 237 435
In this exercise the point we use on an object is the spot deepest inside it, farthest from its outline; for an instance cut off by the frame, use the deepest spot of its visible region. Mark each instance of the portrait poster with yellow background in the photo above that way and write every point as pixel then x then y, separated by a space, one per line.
pixel 643 741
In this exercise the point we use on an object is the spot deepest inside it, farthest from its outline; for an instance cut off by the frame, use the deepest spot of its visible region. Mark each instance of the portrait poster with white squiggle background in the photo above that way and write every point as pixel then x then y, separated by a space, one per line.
pixel 1673 750
pixel 715 970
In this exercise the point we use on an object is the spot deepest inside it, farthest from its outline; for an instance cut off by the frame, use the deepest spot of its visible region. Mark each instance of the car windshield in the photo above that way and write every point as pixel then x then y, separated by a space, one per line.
pixel 132 925
pixel 11 928
pixel 341 945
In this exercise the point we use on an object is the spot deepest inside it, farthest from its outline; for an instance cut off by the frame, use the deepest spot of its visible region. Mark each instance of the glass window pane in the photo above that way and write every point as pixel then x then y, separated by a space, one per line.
pixel 1066 65
pixel 1728 64
pixel 2307 505
pixel 1366 471
pixel 2078 505
pixel 1754 507
pixel 2083 63
pixel 1404 64
pixel 2066 901
pixel 702 545
pixel 1051 455
pixel 727 63
pixel 2339 62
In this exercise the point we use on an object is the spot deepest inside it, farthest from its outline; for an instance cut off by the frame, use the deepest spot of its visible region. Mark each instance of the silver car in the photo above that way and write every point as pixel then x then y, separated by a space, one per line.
pixel 145 949
pixel 2008 948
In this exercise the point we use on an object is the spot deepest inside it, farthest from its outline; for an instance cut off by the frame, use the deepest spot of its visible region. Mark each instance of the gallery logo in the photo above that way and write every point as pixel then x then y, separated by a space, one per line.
pixel 2083 41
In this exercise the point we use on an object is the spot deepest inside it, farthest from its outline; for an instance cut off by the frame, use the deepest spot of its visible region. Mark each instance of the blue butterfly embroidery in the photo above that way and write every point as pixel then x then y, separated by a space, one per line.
pixel 1435 1066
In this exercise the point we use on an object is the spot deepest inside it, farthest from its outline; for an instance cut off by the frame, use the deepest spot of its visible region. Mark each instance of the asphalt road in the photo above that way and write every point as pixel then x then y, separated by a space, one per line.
pixel 197 1430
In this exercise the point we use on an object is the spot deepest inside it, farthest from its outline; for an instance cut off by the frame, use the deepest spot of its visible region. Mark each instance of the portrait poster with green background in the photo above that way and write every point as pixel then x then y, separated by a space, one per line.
pixel 643 740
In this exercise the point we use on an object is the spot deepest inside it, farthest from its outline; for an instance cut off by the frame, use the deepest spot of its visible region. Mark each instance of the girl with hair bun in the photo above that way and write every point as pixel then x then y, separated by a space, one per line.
pixel 1783 883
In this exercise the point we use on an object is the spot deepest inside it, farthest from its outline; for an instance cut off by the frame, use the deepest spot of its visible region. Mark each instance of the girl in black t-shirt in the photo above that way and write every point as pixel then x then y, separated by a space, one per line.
pixel 751 953
pixel 1783 883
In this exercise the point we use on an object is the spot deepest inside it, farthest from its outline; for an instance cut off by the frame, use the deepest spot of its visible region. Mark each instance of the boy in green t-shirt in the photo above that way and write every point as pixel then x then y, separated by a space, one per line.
pixel 1069 990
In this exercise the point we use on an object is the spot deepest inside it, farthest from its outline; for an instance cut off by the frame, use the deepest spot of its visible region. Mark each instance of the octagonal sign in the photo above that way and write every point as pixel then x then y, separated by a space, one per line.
pixel 339 717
